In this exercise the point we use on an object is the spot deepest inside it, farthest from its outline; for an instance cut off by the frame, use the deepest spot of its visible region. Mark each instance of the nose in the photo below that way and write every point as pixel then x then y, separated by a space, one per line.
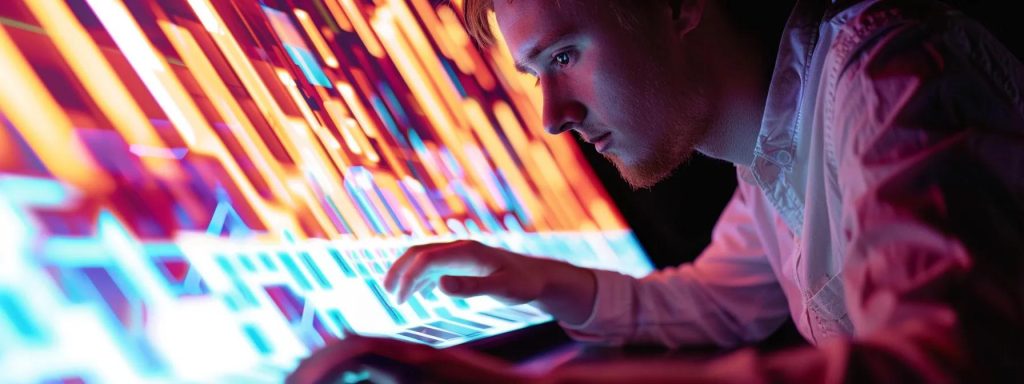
pixel 562 111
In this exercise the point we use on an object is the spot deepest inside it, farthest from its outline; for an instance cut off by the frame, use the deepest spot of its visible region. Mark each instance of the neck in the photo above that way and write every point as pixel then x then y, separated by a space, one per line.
pixel 740 92
pixel 733 134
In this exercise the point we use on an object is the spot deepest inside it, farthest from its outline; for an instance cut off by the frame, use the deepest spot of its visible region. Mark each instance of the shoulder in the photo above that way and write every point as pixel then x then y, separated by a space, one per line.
pixel 912 61
pixel 899 34
pixel 881 39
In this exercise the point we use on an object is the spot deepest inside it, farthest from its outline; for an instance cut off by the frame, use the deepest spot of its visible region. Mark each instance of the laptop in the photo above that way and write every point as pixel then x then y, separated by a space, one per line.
pixel 208 191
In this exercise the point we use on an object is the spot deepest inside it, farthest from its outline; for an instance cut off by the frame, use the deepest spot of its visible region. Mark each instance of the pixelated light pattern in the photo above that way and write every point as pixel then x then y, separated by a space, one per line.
pixel 207 190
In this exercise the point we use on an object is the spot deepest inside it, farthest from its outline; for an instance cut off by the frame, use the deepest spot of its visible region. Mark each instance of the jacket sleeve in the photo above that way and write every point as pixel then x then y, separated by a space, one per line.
pixel 727 297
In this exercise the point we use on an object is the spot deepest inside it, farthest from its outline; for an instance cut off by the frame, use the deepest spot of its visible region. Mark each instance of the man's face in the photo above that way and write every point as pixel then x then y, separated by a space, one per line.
pixel 629 90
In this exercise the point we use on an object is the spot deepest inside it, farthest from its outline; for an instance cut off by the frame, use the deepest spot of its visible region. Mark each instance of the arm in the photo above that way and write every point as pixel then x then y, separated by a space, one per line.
pixel 930 157
pixel 727 297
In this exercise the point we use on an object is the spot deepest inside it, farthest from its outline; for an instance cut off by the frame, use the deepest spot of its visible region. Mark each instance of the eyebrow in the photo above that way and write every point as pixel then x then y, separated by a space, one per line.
pixel 541 45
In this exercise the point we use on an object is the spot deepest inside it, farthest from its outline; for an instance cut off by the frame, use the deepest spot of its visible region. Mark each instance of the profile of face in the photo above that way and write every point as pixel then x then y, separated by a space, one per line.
pixel 628 86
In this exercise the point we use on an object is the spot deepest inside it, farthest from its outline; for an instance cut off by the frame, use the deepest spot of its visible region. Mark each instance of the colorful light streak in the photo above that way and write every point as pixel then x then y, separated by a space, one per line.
pixel 205 191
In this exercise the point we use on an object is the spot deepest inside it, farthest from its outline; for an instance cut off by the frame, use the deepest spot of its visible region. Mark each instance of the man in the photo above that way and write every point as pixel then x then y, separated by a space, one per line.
pixel 880 202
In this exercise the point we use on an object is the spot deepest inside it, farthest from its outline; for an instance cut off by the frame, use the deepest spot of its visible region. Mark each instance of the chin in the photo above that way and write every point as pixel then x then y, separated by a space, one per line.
pixel 647 173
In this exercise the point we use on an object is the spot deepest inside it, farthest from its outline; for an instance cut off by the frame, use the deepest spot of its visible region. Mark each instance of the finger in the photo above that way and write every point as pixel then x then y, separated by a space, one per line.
pixel 417 286
pixel 468 286
pixel 458 259
pixel 422 285
pixel 391 277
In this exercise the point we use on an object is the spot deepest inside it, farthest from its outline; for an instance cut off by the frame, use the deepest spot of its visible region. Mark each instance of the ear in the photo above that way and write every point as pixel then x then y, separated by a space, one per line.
pixel 686 15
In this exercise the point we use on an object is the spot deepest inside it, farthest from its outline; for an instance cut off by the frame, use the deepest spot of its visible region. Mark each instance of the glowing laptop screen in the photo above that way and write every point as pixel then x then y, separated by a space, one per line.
pixel 208 190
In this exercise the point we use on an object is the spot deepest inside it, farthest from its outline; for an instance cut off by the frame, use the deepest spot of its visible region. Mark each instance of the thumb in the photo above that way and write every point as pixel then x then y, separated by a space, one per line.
pixel 465 286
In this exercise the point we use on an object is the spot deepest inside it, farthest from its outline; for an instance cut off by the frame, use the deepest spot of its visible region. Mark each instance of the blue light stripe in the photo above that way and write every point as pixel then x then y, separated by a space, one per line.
pixel 243 290
pixel 368 210
pixel 418 308
pixel 289 264
pixel 20 319
pixel 257 339
pixel 308 261
pixel 379 293
pixel 339 320
pixel 339 259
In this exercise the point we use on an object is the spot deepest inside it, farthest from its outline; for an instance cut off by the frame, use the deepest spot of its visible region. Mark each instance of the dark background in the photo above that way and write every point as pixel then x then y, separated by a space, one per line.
pixel 673 220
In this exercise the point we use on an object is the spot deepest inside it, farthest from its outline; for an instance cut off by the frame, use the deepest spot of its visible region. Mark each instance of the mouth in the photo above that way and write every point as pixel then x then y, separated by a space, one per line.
pixel 601 142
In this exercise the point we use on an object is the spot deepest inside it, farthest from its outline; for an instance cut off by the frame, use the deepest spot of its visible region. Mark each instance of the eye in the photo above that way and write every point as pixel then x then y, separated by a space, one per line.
pixel 563 59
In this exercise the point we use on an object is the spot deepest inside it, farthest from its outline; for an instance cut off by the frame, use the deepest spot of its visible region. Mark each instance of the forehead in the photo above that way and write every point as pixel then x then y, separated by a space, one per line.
pixel 524 23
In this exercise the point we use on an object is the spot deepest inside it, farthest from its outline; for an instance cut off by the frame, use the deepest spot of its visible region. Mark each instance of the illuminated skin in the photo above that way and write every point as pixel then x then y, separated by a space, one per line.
pixel 646 94
pixel 639 104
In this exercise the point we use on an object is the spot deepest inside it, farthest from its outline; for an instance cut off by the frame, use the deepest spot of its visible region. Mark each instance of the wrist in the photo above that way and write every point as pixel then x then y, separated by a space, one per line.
pixel 567 292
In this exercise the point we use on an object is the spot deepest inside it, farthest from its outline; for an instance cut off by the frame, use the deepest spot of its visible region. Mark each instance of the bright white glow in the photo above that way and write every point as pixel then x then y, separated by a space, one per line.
pixel 201 339
pixel 206 16
pixel 143 58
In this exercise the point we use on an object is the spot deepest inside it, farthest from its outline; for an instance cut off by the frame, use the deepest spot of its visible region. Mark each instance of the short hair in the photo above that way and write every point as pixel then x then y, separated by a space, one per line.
pixel 476 14
pixel 763 19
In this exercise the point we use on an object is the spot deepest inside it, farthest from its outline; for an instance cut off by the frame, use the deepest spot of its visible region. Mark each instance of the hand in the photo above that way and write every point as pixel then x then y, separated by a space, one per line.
pixel 435 365
pixel 465 268
pixel 469 268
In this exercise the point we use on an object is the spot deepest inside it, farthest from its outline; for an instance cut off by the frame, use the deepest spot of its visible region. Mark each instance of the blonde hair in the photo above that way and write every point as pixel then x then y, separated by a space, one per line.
pixel 476 14
pixel 478 23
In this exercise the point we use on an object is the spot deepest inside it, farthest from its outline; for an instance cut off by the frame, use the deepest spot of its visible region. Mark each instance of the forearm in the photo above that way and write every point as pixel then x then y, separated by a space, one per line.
pixel 568 291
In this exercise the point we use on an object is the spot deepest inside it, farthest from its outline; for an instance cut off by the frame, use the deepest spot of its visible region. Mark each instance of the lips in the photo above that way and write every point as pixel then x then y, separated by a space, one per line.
pixel 601 142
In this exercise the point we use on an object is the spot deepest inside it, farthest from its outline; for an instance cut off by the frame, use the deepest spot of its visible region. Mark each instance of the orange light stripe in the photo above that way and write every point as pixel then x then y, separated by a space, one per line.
pixel 521 146
pixel 339 116
pixel 371 154
pixel 29 106
pixel 316 38
pixel 226 105
pixel 553 179
pixel 416 42
pixel 358 110
pixel 207 142
pixel 310 152
pixel 604 215
pixel 301 187
pixel 339 15
pixel 434 26
pixel 455 203
pixel 497 151
pixel 9 155
pixel 389 184
pixel 457 38
pixel 419 194
pixel 362 28
pixel 257 89
pixel 248 75
pixel 101 82
pixel 422 92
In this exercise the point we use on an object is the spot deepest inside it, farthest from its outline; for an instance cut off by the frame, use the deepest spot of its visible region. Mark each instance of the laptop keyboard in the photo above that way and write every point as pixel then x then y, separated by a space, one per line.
pixel 323 290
